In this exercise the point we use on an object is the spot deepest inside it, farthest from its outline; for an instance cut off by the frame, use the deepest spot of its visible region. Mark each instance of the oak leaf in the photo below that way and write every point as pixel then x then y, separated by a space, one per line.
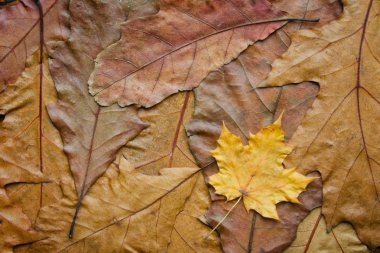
pixel 91 134
pixel 159 55
pixel 255 171
pixel 340 135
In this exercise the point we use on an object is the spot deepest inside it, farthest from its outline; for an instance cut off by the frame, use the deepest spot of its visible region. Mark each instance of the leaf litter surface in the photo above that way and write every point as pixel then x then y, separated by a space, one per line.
pixel 137 205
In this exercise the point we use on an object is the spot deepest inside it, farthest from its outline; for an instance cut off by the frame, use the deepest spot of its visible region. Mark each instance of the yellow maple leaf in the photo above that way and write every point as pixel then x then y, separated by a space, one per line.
pixel 255 172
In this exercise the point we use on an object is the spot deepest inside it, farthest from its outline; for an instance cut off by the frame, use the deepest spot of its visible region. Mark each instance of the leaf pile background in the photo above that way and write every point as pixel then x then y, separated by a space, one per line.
pixel 109 111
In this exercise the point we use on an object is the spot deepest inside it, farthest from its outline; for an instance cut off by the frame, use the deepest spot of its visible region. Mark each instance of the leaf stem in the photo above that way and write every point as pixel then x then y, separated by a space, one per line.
pixel 221 221
pixel 71 232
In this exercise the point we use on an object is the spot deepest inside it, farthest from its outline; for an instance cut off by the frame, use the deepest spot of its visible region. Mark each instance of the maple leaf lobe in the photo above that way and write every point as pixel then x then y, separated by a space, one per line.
pixel 255 171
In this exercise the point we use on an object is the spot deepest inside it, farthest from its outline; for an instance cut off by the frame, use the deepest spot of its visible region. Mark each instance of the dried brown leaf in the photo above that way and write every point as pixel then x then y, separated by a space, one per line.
pixel 15 226
pixel 127 211
pixel 176 48
pixel 312 236
pixel 91 134
pixel 164 144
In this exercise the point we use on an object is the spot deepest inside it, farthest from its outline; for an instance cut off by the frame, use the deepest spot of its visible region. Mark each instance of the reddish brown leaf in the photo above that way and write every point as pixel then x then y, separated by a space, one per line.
pixel 91 134
pixel 175 49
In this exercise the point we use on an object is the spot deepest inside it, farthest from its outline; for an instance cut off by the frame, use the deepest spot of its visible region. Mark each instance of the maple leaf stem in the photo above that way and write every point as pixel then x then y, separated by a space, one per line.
pixel 71 231
pixel 221 221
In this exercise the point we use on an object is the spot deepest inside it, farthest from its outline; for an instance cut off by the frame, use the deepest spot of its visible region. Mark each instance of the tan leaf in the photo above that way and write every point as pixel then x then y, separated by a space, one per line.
pixel 31 142
pixel 312 236
pixel 129 211
pixel 19 156
pixel 15 226
pixel 164 144
pixel 159 55
pixel 340 135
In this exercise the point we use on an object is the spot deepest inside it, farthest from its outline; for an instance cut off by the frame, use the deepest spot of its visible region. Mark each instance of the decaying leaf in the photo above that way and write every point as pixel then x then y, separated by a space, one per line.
pixel 20 34
pixel 20 156
pixel 134 211
pixel 91 135
pixel 159 55
pixel 255 171
pixel 26 129
pixel 164 144
pixel 15 226
pixel 340 135
pixel 312 236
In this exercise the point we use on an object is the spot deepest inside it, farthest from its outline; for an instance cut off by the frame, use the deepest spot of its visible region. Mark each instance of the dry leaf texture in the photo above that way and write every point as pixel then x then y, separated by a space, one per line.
pixel 340 135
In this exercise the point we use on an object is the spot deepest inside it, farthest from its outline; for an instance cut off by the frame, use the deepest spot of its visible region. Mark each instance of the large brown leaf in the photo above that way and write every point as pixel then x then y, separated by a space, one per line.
pixel 20 34
pixel 312 236
pixel 26 129
pixel 175 49
pixel 341 133
pixel 91 134
pixel 231 95
pixel 20 155
pixel 127 211
pixel 164 144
